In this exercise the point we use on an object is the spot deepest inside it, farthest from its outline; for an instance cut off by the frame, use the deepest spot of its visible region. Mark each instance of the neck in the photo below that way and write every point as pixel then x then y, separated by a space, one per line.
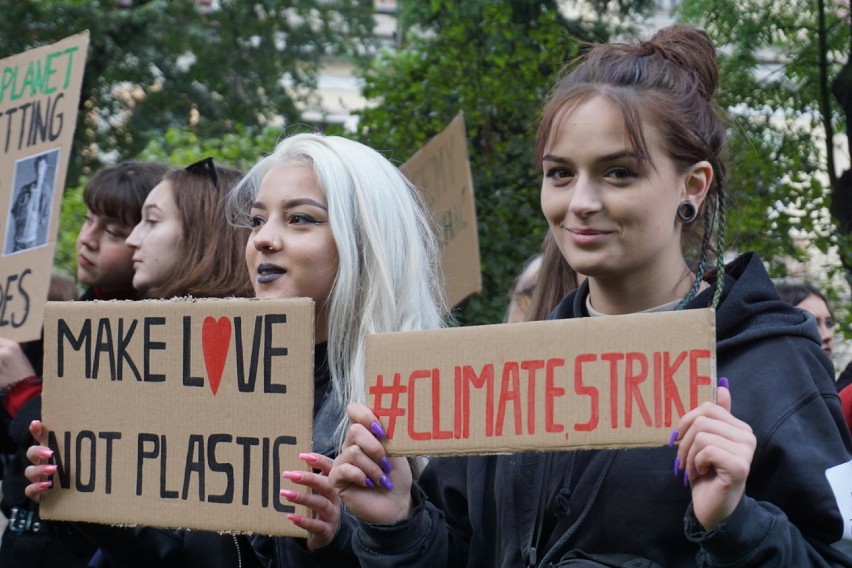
pixel 636 293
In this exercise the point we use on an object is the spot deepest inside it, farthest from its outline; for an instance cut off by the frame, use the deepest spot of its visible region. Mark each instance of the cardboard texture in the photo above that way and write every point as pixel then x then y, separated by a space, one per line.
pixel 615 381
pixel 441 169
pixel 178 413
pixel 39 96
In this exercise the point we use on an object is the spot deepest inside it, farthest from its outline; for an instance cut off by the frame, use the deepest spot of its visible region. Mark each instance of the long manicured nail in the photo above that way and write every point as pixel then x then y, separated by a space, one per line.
pixel 685 478
pixel 45 452
pixel 310 458
pixel 369 482
pixel 292 475
pixel 386 482
pixel 677 466
pixel 49 469
pixel 45 484
pixel 673 437
pixel 378 431
pixel 722 382
pixel 385 464
pixel 289 495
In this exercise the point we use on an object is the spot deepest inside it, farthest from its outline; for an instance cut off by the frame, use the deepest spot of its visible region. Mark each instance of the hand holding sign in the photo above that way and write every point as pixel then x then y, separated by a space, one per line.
pixel 322 500
pixel 40 473
pixel 377 489
pixel 715 451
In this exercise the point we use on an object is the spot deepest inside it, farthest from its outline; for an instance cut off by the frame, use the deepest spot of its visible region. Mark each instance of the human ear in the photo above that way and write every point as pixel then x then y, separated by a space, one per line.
pixel 696 182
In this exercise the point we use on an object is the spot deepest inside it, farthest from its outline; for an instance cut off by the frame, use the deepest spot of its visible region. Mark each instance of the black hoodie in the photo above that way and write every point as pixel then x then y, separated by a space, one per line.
pixel 626 507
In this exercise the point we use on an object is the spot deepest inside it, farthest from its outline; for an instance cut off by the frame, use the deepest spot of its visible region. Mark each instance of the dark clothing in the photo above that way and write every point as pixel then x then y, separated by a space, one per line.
pixel 626 507
pixel 39 543
pixel 148 546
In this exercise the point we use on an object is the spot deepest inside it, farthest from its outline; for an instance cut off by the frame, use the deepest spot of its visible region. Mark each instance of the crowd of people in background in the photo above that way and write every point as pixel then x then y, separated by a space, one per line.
pixel 632 151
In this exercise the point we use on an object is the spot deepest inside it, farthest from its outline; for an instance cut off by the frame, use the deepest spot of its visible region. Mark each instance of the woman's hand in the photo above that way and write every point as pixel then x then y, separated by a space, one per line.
pixel 377 489
pixel 715 451
pixel 14 365
pixel 40 473
pixel 322 500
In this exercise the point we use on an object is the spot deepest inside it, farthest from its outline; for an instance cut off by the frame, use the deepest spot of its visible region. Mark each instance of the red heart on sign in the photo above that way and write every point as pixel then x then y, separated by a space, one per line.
pixel 215 338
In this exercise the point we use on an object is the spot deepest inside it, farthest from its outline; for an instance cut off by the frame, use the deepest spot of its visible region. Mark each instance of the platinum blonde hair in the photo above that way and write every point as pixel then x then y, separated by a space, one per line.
pixel 388 276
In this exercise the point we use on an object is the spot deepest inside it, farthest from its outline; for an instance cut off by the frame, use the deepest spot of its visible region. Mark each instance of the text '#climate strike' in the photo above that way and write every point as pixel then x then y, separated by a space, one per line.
pixel 610 390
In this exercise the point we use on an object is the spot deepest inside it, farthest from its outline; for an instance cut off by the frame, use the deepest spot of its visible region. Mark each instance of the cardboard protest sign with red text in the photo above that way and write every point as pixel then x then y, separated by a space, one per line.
pixel 441 169
pixel 614 381
pixel 178 413
pixel 39 97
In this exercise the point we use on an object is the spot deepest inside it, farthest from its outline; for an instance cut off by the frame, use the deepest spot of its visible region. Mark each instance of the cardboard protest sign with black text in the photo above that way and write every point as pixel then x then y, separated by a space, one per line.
pixel 441 169
pixel 178 413
pixel 39 97
pixel 614 381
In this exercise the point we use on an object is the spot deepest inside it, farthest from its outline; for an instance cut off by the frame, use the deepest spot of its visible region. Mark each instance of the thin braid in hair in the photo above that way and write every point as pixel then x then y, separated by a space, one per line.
pixel 721 226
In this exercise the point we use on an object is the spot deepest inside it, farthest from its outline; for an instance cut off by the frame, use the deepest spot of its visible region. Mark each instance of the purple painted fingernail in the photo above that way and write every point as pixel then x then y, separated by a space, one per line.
pixel 685 478
pixel 369 482
pixel 377 430
pixel 722 382
pixel 677 466
pixel 673 437
pixel 386 482
pixel 385 464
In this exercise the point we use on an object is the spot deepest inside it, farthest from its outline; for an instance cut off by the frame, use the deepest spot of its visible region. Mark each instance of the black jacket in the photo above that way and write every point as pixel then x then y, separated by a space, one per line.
pixel 626 507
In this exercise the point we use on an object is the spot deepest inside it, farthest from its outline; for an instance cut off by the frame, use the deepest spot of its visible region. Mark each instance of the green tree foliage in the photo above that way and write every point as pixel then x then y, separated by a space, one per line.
pixel 776 62
pixel 155 64
pixel 495 61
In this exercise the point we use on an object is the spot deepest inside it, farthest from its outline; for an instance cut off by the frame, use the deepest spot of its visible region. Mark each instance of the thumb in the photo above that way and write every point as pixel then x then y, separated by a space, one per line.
pixel 723 394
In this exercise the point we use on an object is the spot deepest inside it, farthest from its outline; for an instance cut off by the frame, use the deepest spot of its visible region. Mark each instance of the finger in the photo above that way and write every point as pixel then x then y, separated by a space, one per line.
pixel 313 526
pixel 739 446
pixel 34 491
pixel 733 465
pixel 723 397
pixel 318 462
pixel 360 414
pixel 345 475
pixel 323 507
pixel 318 483
pixel 39 454
pixel 368 464
pixel 36 429
pixel 38 473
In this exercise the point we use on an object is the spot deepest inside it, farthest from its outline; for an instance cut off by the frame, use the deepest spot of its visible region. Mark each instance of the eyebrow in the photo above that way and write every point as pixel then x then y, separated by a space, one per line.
pixel 605 158
pixel 293 203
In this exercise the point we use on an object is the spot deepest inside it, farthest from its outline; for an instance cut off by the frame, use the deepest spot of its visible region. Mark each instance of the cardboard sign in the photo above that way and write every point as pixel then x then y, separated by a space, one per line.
pixel 39 96
pixel 441 169
pixel 178 413
pixel 614 381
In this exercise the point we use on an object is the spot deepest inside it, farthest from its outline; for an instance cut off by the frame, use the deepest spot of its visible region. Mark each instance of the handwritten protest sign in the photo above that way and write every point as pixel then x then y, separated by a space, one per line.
pixel 441 169
pixel 178 413
pixel 39 97
pixel 614 381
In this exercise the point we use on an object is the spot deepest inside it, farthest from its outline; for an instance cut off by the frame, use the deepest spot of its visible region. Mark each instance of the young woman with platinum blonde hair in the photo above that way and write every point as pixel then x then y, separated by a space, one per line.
pixel 333 220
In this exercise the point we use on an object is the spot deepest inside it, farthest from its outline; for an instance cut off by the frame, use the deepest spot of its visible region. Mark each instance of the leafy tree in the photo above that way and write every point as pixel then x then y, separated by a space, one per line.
pixel 495 61
pixel 155 64
pixel 777 62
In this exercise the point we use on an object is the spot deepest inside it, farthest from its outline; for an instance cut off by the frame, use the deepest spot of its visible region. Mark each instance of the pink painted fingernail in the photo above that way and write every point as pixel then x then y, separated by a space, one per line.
pixel 310 458
pixel 49 469
pixel 288 494
pixel 45 484
pixel 45 452
pixel 378 431
pixel 292 475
